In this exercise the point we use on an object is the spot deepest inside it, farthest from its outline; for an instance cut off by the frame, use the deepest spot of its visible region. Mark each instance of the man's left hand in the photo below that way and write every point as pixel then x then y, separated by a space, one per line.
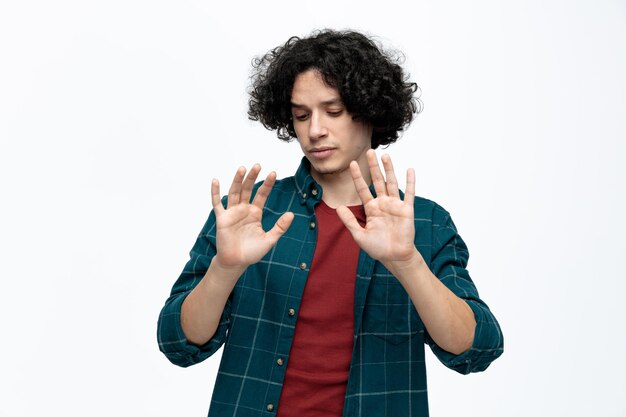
pixel 388 235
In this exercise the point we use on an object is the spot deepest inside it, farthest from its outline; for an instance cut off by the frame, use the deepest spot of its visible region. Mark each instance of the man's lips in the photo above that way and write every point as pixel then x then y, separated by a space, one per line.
pixel 321 152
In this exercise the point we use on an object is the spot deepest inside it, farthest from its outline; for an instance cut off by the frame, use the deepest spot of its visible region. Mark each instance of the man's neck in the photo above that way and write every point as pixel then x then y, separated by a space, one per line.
pixel 339 189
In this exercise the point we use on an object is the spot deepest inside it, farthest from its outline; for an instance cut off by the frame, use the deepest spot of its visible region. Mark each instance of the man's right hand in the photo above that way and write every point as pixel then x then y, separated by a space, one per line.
pixel 241 240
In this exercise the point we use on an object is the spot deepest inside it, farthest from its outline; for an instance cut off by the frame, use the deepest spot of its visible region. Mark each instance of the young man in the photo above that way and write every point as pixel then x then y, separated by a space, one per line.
pixel 324 287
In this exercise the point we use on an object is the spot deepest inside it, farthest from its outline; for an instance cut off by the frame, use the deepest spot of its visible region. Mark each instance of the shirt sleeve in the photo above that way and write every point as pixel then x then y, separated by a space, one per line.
pixel 449 263
pixel 172 340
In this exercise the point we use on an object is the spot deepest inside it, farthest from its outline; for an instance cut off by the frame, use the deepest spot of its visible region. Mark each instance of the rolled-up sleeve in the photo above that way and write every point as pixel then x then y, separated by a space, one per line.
pixel 449 264
pixel 170 336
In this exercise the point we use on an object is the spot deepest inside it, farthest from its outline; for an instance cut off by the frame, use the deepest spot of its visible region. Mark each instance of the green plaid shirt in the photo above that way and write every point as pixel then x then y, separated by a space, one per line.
pixel 387 372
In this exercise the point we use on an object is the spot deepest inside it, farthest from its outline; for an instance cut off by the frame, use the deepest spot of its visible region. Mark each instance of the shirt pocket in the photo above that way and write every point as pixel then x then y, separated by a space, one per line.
pixel 389 313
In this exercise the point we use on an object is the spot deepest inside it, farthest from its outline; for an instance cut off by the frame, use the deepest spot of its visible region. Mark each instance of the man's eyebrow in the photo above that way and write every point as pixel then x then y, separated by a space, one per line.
pixel 331 101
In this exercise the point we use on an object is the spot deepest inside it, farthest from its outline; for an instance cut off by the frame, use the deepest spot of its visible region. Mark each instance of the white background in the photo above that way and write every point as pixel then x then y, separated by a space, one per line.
pixel 114 117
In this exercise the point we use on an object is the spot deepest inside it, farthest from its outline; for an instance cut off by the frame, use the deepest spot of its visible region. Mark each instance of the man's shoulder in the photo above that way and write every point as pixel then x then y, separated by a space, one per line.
pixel 287 184
pixel 282 193
pixel 425 208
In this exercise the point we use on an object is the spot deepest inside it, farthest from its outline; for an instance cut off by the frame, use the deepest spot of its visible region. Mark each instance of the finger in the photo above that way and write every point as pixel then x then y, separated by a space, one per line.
pixel 350 221
pixel 409 194
pixel 264 190
pixel 281 226
pixel 234 193
pixel 377 176
pixel 215 196
pixel 359 183
pixel 392 182
pixel 248 183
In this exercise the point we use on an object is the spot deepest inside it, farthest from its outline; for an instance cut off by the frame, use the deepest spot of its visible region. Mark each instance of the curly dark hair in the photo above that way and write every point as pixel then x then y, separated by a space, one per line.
pixel 370 81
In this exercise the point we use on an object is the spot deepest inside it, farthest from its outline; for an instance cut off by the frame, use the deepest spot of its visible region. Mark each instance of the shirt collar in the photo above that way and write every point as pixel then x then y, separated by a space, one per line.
pixel 308 188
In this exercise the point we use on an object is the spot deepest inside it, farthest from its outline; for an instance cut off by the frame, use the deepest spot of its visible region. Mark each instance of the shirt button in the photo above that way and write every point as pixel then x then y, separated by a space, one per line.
pixel 312 225
pixel 303 195
pixel 280 361
pixel 314 191
pixel 292 312
pixel 270 407
pixel 303 266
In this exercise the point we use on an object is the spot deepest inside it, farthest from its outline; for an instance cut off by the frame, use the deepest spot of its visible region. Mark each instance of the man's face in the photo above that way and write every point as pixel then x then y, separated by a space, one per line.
pixel 328 136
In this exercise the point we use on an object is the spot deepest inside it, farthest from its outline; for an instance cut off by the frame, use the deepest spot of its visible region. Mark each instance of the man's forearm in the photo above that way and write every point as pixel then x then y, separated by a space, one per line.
pixel 202 309
pixel 449 320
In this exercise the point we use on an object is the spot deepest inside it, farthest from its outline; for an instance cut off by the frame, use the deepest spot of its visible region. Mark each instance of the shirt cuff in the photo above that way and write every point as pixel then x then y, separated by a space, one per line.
pixel 173 342
pixel 488 343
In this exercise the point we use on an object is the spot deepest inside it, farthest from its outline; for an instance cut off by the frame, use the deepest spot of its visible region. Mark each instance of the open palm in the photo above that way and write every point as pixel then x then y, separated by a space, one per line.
pixel 241 240
pixel 388 235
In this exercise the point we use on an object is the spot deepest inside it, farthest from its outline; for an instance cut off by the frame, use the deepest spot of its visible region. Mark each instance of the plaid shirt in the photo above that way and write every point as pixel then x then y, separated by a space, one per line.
pixel 387 372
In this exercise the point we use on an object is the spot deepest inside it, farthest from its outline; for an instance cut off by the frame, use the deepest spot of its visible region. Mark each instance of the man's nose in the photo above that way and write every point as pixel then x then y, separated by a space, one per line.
pixel 317 126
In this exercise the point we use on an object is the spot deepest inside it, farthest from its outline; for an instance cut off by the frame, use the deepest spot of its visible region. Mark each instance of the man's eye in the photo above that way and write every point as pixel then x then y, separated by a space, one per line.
pixel 300 116
pixel 335 113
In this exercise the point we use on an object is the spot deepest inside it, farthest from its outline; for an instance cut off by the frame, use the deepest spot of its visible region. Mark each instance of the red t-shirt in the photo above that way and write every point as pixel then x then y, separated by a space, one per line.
pixel 321 351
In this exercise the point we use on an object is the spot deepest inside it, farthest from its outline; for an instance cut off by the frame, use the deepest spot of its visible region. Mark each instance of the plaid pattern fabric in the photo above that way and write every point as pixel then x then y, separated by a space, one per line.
pixel 387 372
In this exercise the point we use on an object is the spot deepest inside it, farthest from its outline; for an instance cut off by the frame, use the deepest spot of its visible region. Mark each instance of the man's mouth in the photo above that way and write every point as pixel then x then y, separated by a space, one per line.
pixel 321 152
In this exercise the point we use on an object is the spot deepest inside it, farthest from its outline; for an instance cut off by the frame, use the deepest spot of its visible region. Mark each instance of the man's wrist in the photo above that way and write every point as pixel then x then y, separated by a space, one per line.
pixel 409 269
pixel 223 277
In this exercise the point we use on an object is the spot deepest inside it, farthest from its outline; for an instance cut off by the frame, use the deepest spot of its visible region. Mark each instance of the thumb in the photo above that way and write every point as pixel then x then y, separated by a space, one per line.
pixel 281 226
pixel 348 219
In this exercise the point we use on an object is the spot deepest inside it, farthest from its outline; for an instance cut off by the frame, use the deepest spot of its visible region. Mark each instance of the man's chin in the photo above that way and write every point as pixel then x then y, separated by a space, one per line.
pixel 328 170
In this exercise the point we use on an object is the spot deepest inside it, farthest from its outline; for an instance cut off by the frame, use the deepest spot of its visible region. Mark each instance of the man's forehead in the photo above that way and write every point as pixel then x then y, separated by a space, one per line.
pixel 309 87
